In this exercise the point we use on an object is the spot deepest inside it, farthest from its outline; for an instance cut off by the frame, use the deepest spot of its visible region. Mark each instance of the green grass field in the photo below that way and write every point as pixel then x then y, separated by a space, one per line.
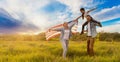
pixel 51 51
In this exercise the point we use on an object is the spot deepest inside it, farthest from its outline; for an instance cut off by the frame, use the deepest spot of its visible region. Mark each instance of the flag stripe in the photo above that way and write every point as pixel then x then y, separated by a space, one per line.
pixel 52 34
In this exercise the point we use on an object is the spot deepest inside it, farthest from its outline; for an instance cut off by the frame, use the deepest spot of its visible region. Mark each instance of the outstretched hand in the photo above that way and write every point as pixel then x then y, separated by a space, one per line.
pixel 76 20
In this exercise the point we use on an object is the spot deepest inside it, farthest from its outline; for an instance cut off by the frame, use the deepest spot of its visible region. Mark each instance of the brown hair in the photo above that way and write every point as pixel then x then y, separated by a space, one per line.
pixel 91 18
pixel 82 13
pixel 82 9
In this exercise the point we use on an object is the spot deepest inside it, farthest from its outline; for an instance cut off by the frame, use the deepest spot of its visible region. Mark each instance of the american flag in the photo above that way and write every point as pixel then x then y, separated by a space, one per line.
pixel 52 34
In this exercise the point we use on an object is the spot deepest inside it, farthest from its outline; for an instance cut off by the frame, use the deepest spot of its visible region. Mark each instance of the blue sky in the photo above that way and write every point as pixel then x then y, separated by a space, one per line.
pixel 34 16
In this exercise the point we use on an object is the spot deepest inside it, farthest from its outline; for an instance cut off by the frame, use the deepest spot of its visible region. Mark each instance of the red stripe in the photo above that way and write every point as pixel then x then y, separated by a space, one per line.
pixel 52 34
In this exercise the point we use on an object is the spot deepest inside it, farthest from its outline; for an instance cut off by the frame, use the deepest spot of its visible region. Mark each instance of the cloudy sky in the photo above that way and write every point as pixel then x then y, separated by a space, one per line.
pixel 34 16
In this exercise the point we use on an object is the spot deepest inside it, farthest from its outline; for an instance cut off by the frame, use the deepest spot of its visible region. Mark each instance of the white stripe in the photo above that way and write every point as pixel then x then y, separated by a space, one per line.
pixel 52 35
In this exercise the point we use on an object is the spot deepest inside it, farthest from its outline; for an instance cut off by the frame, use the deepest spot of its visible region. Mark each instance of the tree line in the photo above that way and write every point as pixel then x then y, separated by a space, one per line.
pixel 102 36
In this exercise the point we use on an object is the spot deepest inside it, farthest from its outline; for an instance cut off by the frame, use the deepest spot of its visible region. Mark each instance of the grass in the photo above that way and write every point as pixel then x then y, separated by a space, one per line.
pixel 51 51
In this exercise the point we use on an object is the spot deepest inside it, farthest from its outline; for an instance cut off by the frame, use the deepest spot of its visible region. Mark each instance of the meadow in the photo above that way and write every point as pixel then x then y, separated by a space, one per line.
pixel 51 51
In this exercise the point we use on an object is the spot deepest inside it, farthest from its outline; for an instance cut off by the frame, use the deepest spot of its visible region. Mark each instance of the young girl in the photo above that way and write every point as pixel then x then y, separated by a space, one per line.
pixel 85 13
pixel 65 35
pixel 91 33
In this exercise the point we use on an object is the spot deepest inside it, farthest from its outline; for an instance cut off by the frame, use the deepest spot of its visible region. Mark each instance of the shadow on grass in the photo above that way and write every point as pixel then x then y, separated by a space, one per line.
pixel 74 53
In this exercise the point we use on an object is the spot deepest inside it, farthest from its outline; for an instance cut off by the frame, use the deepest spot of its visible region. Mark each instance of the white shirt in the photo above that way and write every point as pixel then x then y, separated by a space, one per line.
pixel 81 22
pixel 91 29
pixel 86 13
pixel 66 34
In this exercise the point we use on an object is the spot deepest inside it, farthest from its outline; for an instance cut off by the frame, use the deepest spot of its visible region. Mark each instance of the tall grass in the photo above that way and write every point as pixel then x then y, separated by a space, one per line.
pixel 51 51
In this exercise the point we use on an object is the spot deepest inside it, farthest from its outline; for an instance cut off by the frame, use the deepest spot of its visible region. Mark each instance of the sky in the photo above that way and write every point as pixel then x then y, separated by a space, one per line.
pixel 35 16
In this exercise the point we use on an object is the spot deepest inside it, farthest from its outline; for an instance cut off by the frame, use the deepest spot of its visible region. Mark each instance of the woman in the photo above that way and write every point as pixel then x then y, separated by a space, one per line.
pixel 65 35
pixel 91 33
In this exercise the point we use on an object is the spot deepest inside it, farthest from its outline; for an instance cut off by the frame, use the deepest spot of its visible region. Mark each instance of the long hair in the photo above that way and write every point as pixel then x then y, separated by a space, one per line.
pixel 82 13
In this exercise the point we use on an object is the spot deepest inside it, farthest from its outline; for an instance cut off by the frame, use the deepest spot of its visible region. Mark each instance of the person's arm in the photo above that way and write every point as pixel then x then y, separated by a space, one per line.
pixel 91 10
pixel 72 23
pixel 83 26
pixel 97 23
pixel 78 18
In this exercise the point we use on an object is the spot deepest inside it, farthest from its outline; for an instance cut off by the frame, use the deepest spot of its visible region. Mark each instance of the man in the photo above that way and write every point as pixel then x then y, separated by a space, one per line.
pixel 91 33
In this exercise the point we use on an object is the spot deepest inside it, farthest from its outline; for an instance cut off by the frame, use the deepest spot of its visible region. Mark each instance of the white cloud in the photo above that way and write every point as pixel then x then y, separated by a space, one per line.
pixel 111 28
pixel 108 13
pixel 27 11
pixel 73 6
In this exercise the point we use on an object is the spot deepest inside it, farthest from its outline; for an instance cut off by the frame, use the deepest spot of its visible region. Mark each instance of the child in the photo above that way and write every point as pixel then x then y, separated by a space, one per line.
pixel 85 13
pixel 91 33
pixel 65 35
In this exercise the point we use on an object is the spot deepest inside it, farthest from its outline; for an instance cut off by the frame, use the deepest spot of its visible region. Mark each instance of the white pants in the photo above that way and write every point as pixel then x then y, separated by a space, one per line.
pixel 65 47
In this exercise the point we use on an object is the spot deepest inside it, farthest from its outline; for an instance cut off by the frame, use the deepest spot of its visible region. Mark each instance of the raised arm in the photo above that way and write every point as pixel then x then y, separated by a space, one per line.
pixel 77 18
pixel 97 23
pixel 91 10
pixel 72 23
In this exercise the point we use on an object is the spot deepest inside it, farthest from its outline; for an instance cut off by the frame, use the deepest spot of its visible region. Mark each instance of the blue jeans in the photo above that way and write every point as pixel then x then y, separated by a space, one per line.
pixel 64 46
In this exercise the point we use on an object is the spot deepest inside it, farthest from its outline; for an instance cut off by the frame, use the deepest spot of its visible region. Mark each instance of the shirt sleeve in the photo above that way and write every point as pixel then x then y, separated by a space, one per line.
pixel 97 23
pixel 72 24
